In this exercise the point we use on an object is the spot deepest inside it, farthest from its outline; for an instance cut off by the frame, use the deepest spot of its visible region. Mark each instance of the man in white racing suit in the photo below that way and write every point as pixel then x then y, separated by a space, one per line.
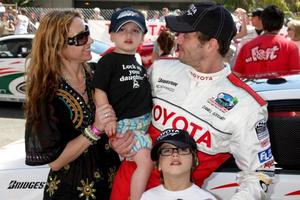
pixel 198 93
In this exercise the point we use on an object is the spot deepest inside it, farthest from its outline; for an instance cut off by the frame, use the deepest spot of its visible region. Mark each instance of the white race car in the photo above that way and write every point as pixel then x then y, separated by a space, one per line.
pixel 13 52
pixel 18 181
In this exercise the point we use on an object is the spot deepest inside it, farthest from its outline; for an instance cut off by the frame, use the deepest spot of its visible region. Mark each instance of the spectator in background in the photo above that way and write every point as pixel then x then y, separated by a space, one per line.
pixel 177 12
pixel 240 19
pixel 256 22
pixel 175 154
pixel 21 22
pixel 240 16
pixel 164 45
pixel 269 55
pixel 2 9
pixel 293 31
pixel 155 17
pixel 97 14
pixel 11 13
pixel 253 30
pixel 33 22
pixel 8 25
pixel 165 12
pixel 41 16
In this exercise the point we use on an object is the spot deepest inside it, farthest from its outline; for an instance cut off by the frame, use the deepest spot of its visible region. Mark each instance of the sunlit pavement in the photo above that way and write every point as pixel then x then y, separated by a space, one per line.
pixel 11 130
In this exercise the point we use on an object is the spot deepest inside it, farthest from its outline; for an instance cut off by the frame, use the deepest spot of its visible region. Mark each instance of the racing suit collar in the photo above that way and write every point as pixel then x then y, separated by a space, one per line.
pixel 204 78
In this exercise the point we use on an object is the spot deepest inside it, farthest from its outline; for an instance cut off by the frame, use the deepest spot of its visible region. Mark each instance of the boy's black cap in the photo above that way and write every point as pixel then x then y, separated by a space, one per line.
pixel 125 15
pixel 177 137
pixel 208 18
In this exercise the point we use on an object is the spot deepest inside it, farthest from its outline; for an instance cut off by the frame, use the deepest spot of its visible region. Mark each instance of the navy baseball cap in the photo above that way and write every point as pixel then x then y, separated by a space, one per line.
pixel 125 15
pixel 208 18
pixel 177 137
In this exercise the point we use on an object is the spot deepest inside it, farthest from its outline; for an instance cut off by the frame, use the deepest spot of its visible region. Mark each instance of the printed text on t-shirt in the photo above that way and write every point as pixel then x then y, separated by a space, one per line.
pixel 258 54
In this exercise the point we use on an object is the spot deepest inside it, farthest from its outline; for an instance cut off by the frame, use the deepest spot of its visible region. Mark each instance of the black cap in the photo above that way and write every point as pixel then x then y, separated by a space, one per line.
pixel 177 137
pixel 125 15
pixel 208 18
pixel 257 12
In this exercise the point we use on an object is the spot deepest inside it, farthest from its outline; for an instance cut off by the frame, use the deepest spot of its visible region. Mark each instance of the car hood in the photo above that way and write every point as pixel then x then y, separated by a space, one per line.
pixel 286 87
pixel 13 157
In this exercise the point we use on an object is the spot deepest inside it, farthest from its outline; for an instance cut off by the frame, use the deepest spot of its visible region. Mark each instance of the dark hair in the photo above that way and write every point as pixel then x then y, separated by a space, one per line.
pixel 194 166
pixel 23 11
pixel 272 18
pixel 166 42
pixel 223 45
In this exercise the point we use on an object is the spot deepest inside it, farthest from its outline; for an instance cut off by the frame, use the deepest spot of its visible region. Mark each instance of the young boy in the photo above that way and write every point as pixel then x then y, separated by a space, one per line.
pixel 122 82
pixel 175 155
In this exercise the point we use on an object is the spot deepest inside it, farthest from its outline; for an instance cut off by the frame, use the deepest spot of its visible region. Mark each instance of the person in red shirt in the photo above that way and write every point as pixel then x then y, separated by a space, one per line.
pixel 270 54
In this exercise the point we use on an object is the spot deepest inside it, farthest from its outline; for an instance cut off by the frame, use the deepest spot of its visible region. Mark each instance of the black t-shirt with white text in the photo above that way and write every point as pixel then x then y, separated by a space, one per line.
pixel 126 84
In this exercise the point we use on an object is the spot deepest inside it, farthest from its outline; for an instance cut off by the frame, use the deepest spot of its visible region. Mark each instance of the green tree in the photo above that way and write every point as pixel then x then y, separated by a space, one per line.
pixel 280 3
pixel 287 6
pixel 297 6
pixel 234 4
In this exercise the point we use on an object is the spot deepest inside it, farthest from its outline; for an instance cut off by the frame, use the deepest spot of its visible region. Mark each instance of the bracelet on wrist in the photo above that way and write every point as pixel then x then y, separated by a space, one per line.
pixel 95 130
pixel 90 135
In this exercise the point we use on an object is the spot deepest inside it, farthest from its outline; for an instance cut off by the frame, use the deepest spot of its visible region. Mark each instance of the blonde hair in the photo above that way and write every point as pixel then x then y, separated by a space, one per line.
pixel 295 25
pixel 43 72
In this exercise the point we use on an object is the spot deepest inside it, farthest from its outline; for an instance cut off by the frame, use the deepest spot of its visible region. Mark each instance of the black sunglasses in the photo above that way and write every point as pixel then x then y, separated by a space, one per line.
pixel 79 39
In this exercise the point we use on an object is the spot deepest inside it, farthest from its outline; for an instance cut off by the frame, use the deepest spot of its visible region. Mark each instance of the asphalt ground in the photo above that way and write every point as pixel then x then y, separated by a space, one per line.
pixel 12 122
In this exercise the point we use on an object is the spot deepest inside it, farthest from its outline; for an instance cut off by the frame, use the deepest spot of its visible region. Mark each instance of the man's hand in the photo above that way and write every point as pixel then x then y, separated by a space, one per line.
pixel 123 143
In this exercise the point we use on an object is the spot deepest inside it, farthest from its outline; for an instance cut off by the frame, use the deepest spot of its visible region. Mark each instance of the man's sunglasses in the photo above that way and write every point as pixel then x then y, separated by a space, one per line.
pixel 79 39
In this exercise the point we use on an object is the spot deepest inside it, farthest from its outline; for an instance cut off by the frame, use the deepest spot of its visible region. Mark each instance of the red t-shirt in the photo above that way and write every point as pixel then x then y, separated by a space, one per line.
pixel 268 56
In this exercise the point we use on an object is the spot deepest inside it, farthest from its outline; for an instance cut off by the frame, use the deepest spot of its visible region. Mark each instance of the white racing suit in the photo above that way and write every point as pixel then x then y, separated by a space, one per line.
pixel 223 114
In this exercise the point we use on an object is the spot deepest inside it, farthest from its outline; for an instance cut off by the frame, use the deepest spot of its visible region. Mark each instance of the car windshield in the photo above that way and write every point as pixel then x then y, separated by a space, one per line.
pixel 99 47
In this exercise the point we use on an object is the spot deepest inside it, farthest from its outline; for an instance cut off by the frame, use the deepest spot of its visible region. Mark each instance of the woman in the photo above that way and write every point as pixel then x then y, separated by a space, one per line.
pixel 293 31
pixel 60 127
pixel 164 46
pixel 166 43
pixel 175 156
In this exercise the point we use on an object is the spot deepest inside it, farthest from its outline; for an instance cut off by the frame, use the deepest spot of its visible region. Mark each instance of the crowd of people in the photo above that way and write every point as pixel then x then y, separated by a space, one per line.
pixel 23 21
pixel 269 54
pixel 124 132
pixel 18 21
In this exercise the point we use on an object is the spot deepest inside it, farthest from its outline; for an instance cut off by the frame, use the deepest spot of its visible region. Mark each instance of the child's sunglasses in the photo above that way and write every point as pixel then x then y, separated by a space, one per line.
pixel 79 39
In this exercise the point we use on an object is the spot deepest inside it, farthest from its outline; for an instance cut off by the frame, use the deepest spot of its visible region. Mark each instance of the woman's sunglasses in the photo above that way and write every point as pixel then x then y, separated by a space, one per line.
pixel 79 39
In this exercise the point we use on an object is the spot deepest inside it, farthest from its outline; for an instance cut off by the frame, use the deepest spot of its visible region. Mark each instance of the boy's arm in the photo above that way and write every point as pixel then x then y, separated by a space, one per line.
pixel 100 97
pixel 100 100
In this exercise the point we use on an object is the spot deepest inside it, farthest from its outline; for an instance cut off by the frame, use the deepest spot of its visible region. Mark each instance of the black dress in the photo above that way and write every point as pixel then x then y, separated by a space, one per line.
pixel 90 175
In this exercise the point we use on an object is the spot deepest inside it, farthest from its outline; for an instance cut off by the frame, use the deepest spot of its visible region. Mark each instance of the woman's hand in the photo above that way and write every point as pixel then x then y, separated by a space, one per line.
pixel 123 143
pixel 104 115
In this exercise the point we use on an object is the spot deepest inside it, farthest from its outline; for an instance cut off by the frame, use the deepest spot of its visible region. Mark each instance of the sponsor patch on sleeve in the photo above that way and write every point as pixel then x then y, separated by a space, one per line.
pixel 261 129
pixel 265 155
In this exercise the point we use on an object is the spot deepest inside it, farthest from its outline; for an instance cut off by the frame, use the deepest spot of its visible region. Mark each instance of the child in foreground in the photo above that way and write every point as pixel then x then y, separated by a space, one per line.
pixel 175 155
